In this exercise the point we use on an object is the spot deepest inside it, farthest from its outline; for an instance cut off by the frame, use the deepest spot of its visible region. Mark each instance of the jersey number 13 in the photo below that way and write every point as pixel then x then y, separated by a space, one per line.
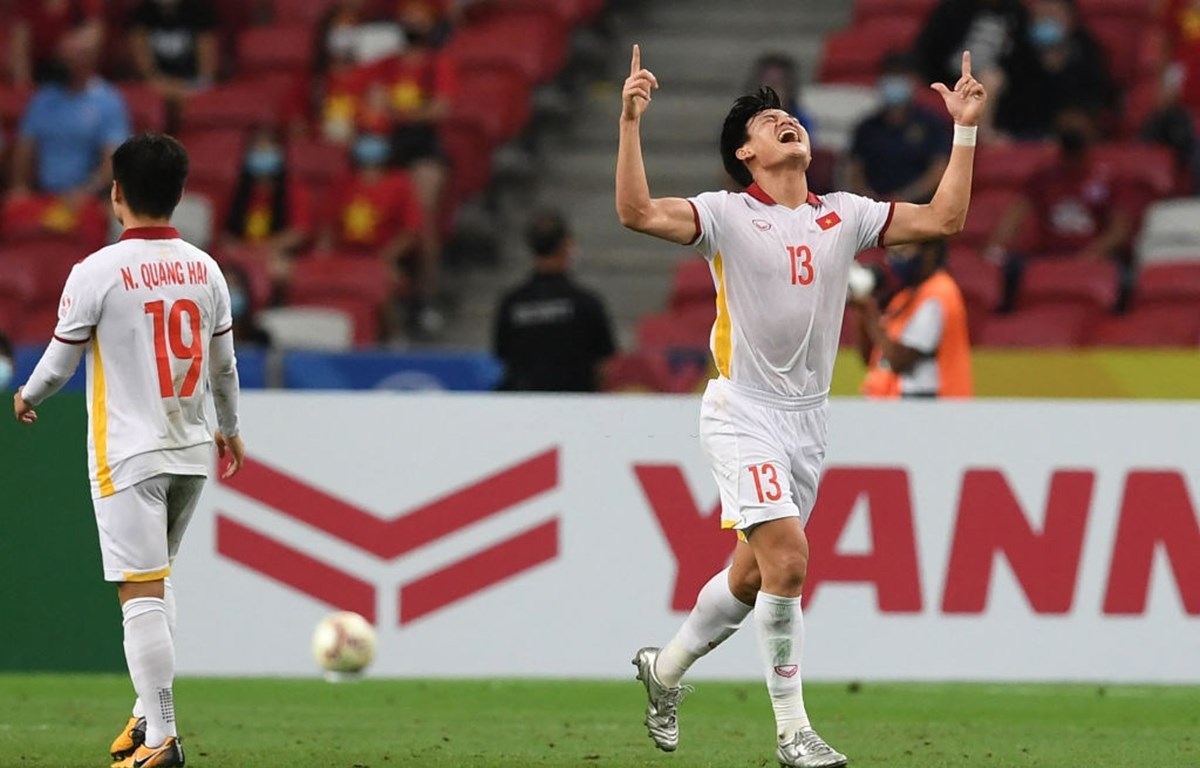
pixel 800 257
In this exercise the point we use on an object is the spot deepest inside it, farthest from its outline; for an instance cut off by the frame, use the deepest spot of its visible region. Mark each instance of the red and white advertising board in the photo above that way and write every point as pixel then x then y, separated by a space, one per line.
pixel 552 536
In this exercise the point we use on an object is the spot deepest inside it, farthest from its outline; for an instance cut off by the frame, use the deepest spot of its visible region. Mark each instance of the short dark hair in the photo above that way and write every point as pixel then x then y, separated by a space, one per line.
pixel 546 233
pixel 734 133
pixel 151 169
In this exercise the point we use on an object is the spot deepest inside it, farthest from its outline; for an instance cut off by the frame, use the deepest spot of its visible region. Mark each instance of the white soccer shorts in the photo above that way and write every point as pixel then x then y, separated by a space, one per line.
pixel 766 452
pixel 141 526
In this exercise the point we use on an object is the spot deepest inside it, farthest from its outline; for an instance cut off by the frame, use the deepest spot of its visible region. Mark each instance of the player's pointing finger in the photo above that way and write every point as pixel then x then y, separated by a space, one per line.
pixel 966 67
pixel 636 63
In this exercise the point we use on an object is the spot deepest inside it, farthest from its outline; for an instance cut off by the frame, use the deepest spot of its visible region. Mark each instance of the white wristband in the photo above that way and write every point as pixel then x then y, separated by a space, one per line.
pixel 964 135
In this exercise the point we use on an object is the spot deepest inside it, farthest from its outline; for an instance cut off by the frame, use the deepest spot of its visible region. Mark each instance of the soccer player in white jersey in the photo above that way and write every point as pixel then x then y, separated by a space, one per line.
pixel 780 257
pixel 152 314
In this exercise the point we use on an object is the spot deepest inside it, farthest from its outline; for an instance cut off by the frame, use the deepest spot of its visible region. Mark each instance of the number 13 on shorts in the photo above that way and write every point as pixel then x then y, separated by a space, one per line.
pixel 767 483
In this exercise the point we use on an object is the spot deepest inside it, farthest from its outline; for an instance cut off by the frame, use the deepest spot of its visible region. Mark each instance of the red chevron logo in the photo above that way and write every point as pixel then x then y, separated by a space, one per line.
pixel 389 539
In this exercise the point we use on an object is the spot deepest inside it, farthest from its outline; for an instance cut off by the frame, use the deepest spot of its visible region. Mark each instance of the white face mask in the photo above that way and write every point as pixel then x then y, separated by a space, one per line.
pixel 6 372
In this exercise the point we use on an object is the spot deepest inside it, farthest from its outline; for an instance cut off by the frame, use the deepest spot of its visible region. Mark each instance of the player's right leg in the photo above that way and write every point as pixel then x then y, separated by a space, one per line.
pixel 132 525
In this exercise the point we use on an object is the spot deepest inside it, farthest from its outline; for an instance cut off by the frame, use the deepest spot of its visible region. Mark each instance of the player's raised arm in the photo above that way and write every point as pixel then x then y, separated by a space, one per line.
pixel 946 213
pixel 670 218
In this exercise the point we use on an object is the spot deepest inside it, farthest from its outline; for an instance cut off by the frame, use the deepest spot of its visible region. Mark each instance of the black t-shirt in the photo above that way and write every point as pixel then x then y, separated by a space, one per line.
pixel 173 30
pixel 551 335
pixel 896 155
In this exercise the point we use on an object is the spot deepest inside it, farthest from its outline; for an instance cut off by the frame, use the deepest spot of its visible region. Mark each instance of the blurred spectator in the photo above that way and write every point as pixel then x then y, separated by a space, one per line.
pixel 900 152
pixel 1078 205
pixel 552 334
pixel 1065 69
pixel 1171 125
pixel 61 163
pixel 329 99
pixel 1181 22
pixel 41 27
pixel 175 46
pixel 376 212
pixel 919 346
pixel 7 363
pixel 781 72
pixel 246 330
pixel 990 29
pixel 270 212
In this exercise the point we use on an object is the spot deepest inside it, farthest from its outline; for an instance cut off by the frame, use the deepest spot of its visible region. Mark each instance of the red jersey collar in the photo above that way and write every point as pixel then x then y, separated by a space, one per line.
pixel 150 233
pixel 759 194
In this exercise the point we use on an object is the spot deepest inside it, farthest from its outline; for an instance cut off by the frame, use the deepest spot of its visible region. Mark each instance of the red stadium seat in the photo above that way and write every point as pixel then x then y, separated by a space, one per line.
pixel 1126 47
pixel 1010 166
pixel 36 326
pixel 49 262
pixel 637 372
pixel 1162 326
pixel 573 13
pixel 300 11
pixel 1140 102
pixel 533 41
pixel 977 278
pixel 274 49
pixel 1065 281
pixel 18 285
pixel 1151 167
pixel 822 171
pixel 686 330
pixel 364 316
pixel 13 101
pixel 497 99
pixel 313 161
pixel 253 264
pixel 215 155
pixel 1133 12
pixel 238 105
pixel 865 10
pixel 692 286
pixel 147 107
pixel 333 277
pixel 1045 326
pixel 854 55
pixel 470 158
pixel 1169 284
pixel 987 209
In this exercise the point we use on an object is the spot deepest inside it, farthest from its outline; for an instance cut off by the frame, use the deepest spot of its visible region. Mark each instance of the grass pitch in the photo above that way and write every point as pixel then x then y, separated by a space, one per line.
pixel 59 721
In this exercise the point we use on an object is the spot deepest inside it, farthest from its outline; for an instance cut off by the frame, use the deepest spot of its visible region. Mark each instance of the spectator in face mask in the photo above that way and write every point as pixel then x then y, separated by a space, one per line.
pixel 919 346
pixel 1078 207
pixel 1060 67
pixel 39 29
pixel 899 152
pixel 6 363
pixel 327 100
pixel 174 45
pixel 271 215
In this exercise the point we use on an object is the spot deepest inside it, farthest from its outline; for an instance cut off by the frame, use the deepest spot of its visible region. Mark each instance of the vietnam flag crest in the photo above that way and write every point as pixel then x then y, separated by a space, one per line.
pixel 829 221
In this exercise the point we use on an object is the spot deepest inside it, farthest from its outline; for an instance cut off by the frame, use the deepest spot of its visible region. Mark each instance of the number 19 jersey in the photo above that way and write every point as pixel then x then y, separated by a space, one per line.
pixel 147 307
pixel 781 277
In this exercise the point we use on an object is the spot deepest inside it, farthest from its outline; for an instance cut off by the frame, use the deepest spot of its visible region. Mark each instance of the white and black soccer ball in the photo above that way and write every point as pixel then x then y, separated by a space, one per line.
pixel 344 643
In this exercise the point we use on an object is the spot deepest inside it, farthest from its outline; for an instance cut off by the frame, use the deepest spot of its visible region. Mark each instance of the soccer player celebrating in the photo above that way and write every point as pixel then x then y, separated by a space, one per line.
pixel 780 256
pixel 152 313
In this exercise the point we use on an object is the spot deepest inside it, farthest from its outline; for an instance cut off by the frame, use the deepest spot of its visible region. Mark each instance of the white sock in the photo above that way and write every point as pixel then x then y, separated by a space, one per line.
pixel 139 710
pixel 780 626
pixel 150 655
pixel 717 615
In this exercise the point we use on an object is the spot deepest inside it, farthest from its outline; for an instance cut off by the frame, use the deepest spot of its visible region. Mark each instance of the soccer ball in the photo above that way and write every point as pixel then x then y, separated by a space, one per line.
pixel 343 643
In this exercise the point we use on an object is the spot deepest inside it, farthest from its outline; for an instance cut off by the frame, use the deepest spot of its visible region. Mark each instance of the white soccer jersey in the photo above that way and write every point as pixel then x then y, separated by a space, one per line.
pixel 781 278
pixel 147 307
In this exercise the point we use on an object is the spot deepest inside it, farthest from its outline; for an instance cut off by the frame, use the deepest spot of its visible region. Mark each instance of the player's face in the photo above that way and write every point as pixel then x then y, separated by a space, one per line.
pixel 777 138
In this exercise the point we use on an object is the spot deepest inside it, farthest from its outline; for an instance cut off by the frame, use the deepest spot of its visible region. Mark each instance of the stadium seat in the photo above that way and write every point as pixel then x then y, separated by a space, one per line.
pixel 253 264
pixel 18 285
pixel 470 159
pixel 533 41
pixel 282 48
pixel 215 155
pixel 823 169
pixel 987 209
pixel 36 326
pixel 840 108
pixel 977 278
pixel 12 103
pixel 498 99
pixel 49 262
pixel 322 277
pixel 1010 166
pixel 1066 281
pixel 300 12
pixel 573 13
pixel 313 161
pixel 692 286
pixel 1151 167
pixel 1140 101
pixel 1048 325
pixel 1123 44
pixel 637 372
pixel 364 317
pixel 147 107
pixel 1169 232
pixel 1133 12
pixel 685 330
pixel 865 10
pixel 322 328
pixel 1169 285
pixel 240 105
pixel 1161 326
pixel 853 55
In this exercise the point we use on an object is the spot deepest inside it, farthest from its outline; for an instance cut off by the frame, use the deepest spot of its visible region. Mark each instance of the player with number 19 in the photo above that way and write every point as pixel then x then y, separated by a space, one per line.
pixel 152 313
pixel 780 258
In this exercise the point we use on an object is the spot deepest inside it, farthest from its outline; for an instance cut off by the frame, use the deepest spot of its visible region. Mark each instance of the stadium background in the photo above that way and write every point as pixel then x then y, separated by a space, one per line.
pixel 1068 480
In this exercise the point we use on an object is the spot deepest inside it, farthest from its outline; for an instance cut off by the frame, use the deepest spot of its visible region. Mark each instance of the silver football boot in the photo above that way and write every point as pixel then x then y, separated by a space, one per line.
pixel 661 720
pixel 808 750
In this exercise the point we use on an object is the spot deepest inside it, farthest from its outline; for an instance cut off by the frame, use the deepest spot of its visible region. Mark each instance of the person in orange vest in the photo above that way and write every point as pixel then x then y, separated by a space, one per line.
pixel 918 347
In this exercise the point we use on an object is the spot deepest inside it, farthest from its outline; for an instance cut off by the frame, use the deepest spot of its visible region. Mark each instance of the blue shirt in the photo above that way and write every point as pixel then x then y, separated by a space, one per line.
pixel 896 155
pixel 72 131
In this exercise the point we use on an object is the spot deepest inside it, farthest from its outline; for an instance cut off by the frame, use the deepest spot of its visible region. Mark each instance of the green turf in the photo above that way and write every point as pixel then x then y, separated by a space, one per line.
pixel 67 722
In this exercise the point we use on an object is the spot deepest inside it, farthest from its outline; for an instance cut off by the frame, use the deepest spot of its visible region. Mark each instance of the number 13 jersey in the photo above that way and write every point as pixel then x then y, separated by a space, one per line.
pixel 781 278
pixel 147 307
